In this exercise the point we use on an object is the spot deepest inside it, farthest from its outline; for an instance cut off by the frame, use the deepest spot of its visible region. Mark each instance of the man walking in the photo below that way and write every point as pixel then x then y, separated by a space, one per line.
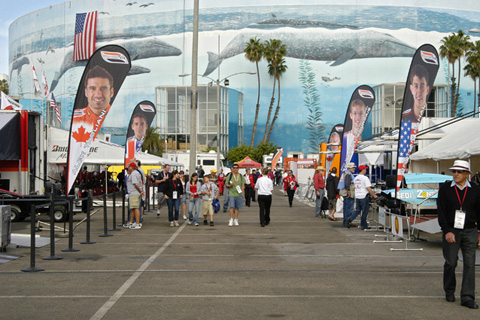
pixel 458 207
pixel 135 192
pixel 236 189
pixel 363 188
pixel 332 193
pixel 319 185
pixel 161 179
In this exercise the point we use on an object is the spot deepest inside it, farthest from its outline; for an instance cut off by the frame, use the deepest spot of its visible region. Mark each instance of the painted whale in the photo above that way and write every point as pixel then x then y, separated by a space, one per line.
pixel 298 23
pixel 18 64
pixel 319 44
pixel 138 49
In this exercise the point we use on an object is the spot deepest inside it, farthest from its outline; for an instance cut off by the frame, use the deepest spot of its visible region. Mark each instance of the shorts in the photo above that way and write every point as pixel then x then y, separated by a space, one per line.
pixel 184 198
pixel 134 201
pixel 160 198
pixel 207 207
pixel 332 204
pixel 235 202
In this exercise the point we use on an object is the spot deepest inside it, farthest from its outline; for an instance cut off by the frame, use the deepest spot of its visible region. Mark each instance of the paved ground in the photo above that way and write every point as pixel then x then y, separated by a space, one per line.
pixel 299 267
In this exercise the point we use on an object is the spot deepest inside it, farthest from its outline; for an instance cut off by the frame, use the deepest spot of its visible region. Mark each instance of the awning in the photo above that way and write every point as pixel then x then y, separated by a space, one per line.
pixel 10 147
pixel 248 163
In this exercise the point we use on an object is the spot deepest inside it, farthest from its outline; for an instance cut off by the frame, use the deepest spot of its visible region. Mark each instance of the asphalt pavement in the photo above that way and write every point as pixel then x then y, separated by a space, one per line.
pixel 298 267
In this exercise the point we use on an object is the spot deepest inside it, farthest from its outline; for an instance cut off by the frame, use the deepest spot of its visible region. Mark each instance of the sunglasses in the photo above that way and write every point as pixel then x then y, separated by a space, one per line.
pixel 459 171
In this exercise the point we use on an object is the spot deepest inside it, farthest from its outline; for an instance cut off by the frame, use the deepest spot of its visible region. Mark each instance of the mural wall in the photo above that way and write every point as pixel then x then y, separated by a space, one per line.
pixel 331 49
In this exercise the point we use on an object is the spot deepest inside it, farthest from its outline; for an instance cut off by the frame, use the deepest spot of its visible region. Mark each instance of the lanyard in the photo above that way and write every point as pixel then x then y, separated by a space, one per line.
pixel 458 196
pixel 174 184
pixel 235 177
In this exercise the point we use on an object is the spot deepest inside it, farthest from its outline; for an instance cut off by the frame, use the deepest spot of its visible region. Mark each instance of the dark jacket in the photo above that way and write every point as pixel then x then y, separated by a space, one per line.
pixel 171 186
pixel 448 202
pixel 332 185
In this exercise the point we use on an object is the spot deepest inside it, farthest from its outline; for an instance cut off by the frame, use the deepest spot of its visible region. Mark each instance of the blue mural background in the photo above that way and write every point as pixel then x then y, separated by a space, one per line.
pixel 161 36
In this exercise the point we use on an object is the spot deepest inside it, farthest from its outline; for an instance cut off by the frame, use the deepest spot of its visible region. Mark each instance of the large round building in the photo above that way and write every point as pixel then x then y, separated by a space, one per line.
pixel 332 47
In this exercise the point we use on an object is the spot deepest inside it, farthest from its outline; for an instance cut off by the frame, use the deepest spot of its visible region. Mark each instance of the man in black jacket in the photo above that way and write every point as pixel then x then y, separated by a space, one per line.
pixel 332 193
pixel 459 217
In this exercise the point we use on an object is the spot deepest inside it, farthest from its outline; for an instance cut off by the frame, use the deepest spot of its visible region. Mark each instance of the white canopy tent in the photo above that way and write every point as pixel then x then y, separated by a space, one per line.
pixel 463 143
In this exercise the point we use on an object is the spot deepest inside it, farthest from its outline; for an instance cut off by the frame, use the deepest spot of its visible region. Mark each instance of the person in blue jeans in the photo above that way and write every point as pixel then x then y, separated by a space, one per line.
pixel 173 193
pixel 363 188
pixel 194 200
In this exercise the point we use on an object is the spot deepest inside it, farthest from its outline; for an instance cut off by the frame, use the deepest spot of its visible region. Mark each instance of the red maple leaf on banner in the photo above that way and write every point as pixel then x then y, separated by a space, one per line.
pixel 81 135
pixel 329 158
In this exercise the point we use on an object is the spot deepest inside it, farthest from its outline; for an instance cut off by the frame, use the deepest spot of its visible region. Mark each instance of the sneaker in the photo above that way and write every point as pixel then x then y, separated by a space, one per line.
pixel 189 222
pixel 235 222
pixel 230 223
pixel 158 213
pixel 176 224
pixel 171 224
pixel 127 225
pixel 135 226
pixel 184 217
pixel 196 224
pixel 211 223
pixel 205 222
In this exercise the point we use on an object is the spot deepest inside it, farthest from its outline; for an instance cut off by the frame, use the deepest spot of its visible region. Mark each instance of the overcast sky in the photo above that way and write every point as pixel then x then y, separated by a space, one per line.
pixel 11 10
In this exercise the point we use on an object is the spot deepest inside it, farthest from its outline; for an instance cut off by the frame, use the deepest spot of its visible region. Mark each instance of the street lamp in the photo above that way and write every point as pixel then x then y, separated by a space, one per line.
pixel 217 82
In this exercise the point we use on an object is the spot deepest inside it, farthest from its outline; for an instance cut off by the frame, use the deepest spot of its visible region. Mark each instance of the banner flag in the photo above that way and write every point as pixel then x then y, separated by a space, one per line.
pixel 141 120
pixel 8 103
pixel 85 35
pixel 53 104
pixel 36 84
pixel 45 84
pixel 276 157
pixel 335 137
pixel 423 70
pixel 358 110
pixel 101 80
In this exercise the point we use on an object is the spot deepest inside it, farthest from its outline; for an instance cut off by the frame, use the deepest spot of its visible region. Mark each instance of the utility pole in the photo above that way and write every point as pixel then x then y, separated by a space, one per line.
pixel 193 119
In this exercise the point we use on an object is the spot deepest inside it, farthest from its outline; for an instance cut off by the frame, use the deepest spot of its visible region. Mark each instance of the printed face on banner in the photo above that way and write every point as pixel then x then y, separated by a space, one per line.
pixel 98 91
pixel 420 90
pixel 334 138
pixel 357 115
pixel 139 126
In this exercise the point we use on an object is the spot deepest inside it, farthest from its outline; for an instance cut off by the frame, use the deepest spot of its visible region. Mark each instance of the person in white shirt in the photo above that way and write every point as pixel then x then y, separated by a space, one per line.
pixel 363 188
pixel 264 186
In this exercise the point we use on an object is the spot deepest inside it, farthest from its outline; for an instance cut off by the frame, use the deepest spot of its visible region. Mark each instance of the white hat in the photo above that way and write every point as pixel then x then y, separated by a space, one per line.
pixel 461 165
pixel 351 165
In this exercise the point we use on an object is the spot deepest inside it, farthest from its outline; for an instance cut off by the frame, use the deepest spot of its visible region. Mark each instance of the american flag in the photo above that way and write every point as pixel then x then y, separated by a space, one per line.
pixel 408 133
pixel 53 104
pixel 85 34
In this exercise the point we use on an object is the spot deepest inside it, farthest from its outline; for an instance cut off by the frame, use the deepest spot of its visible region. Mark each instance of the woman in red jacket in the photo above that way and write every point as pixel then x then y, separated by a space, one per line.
pixel 290 184
pixel 221 181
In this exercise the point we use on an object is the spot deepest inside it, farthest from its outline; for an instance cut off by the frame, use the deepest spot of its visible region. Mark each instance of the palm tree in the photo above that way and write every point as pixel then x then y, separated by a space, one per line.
pixel 4 86
pixel 453 48
pixel 472 72
pixel 281 69
pixel 254 53
pixel 274 53
pixel 473 59
pixel 152 143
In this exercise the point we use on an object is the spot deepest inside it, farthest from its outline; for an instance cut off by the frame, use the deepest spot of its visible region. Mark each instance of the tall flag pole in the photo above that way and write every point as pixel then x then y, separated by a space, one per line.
pixel 332 159
pixel 36 84
pixel 141 120
pixel 85 35
pixel 423 70
pixel 45 84
pixel 103 76
pixel 53 104
pixel 358 110
pixel 276 157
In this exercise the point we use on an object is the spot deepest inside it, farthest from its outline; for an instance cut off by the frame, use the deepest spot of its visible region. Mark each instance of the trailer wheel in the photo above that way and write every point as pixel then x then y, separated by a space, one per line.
pixel 16 214
pixel 59 214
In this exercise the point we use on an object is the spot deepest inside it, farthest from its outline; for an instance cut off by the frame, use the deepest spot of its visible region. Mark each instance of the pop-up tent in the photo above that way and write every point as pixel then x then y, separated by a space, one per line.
pixel 7 103
pixel 248 163
pixel 463 143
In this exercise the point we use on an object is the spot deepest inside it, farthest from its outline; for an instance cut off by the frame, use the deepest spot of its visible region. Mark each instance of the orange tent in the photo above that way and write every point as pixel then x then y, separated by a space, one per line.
pixel 248 163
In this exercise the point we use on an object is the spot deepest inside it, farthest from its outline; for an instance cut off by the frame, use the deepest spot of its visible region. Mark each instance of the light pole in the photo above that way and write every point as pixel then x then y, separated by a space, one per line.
pixel 218 82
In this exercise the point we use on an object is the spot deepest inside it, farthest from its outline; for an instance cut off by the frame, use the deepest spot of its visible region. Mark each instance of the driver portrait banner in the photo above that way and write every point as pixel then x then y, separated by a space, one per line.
pixel 421 76
pixel 333 147
pixel 101 80
pixel 140 122
pixel 358 110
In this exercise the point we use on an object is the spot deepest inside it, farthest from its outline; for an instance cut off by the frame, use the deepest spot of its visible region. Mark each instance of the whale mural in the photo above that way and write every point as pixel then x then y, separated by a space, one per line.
pixel 319 44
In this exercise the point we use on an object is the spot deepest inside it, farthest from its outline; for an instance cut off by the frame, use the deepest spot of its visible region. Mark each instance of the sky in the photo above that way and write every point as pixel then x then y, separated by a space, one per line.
pixel 16 9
